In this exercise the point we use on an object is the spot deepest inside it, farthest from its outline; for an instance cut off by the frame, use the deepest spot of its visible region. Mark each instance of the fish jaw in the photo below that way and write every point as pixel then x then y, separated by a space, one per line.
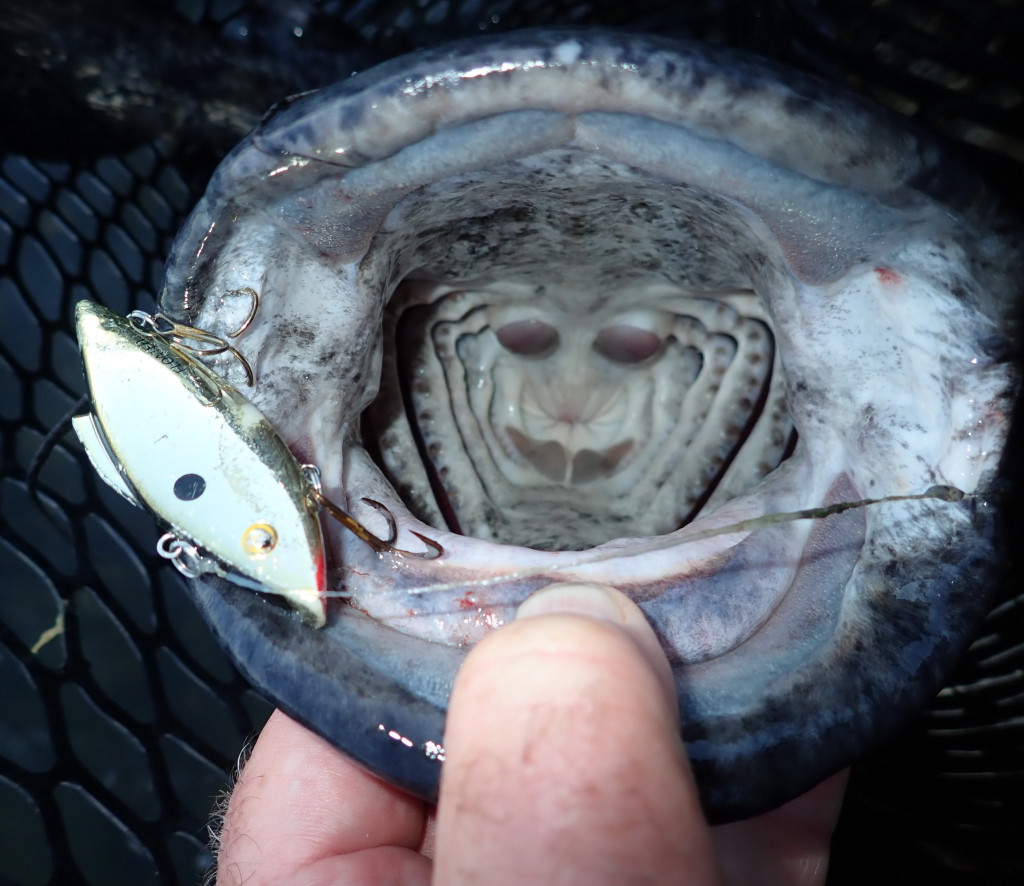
pixel 463 191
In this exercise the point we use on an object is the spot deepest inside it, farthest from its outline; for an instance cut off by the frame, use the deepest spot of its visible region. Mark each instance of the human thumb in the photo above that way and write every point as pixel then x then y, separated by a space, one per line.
pixel 563 756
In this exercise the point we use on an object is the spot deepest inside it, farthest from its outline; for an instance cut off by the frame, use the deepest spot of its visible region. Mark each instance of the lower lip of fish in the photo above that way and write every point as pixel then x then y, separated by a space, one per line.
pixel 645 245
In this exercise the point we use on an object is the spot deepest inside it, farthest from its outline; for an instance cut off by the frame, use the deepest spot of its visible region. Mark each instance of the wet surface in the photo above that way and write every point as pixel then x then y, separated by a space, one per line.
pixel 122 716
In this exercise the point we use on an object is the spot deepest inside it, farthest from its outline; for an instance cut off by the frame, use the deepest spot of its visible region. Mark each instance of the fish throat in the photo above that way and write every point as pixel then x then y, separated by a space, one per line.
pixel 580 353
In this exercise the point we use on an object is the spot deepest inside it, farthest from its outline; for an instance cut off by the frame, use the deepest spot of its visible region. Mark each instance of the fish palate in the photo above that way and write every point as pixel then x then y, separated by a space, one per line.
pixel 565 302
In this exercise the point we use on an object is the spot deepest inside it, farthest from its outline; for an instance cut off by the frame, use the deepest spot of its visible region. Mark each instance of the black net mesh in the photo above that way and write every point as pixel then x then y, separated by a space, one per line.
pixel 121 717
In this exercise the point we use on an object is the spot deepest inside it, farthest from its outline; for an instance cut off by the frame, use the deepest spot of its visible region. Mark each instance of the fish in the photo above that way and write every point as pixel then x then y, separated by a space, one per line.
pixel 568 302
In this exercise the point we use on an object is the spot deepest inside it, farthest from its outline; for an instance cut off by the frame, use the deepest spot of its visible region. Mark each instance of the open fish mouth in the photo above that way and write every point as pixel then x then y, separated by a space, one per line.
pixel 563 302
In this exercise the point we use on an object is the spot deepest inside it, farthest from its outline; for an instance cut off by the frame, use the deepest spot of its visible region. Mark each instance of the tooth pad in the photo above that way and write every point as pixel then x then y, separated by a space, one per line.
pixel 118 730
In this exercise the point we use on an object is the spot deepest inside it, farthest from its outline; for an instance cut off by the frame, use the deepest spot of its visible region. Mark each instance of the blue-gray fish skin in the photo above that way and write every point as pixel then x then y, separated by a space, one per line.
pixel 562 301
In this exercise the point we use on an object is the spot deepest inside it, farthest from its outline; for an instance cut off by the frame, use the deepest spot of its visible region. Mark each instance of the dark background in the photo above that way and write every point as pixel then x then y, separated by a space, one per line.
pixel 119 716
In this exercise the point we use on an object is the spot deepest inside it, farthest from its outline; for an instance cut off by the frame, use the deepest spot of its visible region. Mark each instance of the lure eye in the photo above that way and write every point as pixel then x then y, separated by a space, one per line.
pixel 188 487
pixel 259 539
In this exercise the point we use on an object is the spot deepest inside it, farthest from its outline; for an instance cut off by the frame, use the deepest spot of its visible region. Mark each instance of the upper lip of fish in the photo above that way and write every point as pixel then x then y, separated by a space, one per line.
pixel 834 200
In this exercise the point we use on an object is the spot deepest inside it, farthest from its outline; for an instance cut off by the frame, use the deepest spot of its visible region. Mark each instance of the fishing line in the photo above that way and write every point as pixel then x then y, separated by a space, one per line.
pixel 45 450
pixel 934 493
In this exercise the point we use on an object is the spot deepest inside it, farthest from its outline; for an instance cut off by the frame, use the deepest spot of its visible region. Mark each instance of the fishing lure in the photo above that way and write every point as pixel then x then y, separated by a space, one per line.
pixel 172 436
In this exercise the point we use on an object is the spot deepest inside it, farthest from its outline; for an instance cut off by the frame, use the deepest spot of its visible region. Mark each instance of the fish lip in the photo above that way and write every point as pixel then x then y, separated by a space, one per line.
pixel 731 750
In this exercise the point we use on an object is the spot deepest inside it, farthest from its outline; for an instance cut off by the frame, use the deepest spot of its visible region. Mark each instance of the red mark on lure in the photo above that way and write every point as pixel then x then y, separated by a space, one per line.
pixel 321 572
pixel 321 581
pixel 889 277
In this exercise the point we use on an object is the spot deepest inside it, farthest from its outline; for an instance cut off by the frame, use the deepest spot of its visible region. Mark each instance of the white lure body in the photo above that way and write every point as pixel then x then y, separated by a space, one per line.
pixel 170 435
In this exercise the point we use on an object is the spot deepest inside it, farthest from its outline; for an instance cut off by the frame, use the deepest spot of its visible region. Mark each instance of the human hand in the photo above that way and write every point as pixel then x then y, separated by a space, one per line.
pixel 563 765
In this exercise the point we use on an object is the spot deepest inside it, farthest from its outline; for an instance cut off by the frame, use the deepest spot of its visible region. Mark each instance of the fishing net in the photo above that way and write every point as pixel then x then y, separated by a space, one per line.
pixel 121 717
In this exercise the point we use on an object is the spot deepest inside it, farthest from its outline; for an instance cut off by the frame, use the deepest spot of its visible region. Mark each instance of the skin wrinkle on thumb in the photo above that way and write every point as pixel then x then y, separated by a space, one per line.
pixel 545 778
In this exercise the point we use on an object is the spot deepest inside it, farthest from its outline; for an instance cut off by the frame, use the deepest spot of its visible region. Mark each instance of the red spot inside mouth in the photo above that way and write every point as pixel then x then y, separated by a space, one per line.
pixel 302 449
pixel 888 277
pixel 466 601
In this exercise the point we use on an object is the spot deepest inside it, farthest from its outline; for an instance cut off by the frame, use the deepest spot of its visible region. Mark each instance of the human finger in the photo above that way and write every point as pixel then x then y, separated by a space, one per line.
pixel 303 812
pixel 788 845
pixel 563 754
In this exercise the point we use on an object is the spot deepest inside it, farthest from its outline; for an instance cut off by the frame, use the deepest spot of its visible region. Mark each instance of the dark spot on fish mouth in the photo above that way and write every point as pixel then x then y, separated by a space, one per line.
pixel 567 315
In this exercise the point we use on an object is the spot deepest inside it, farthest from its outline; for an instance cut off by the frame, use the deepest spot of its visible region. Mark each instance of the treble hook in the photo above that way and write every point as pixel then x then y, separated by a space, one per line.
pixel 254 295
pixel 392 523
pixel 379 545
pixel 179 333
pixel 436 546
